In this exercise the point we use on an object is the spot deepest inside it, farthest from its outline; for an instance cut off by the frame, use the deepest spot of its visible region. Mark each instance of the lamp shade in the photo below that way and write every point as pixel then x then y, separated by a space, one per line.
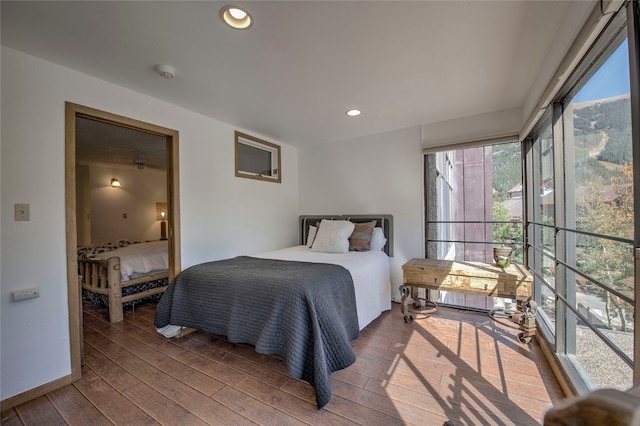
pixel 115 183
pixel 161 211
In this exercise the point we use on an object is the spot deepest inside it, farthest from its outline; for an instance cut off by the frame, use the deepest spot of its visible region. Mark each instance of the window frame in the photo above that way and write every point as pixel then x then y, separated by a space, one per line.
pixel 243 139
pixel 562 337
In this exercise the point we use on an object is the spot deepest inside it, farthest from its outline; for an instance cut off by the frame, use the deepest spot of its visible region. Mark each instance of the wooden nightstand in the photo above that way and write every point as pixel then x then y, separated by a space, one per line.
pixel 478 278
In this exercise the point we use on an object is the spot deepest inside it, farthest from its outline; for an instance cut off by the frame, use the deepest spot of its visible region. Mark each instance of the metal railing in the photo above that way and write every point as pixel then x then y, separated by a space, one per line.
pixel 481 222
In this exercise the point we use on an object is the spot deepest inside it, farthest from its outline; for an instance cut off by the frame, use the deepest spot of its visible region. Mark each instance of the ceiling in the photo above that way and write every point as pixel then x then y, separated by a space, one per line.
pixel 99 143
pixel 292 76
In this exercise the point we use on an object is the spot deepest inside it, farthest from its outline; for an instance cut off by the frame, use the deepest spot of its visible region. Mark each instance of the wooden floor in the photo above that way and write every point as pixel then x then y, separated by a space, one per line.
pixel 453 365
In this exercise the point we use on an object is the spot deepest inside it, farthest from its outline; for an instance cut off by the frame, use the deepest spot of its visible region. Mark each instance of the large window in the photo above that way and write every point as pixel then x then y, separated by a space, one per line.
pixel 581 239
pixel 474 203
pixel 581 218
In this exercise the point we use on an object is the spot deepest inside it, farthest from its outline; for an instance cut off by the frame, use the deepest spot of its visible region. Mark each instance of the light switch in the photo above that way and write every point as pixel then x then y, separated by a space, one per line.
pixel 22 212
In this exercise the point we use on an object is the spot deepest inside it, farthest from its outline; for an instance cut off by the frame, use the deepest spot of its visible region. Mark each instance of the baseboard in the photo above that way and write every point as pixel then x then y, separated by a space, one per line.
pixel 555 366
pixel 36 392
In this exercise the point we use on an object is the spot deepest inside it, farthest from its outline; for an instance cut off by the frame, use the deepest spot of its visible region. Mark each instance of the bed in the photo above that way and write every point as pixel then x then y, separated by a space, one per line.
pixel 301 303
pixel 121 273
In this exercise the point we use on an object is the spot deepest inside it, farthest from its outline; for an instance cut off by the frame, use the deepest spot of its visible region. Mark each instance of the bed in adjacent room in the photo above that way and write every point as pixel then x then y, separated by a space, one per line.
pixel 121 273
pixel 305 303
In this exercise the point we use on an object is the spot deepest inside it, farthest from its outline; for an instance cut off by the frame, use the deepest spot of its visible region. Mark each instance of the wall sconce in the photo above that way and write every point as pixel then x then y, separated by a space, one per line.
pixel 115 183
pixel 161 215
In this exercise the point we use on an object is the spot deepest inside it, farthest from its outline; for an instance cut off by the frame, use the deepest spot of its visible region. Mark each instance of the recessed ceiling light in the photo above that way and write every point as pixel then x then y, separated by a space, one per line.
pixel 236 17
pixel 353 112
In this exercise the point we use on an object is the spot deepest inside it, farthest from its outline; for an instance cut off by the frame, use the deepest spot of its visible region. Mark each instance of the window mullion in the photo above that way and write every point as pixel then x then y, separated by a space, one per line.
pixel 535 213
pixel 563 343
pixel 525 150
pixel 633 31
pixel 570 238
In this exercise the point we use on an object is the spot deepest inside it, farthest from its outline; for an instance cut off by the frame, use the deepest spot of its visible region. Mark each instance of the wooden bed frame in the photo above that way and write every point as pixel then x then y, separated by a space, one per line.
pixel 102 276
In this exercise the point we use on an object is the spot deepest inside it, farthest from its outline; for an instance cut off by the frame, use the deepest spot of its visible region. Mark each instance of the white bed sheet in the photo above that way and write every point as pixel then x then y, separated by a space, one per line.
pixel 137 260
pixel 369 271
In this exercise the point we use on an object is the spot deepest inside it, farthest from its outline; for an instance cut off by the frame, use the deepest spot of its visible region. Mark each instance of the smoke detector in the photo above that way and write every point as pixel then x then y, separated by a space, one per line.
pixel 166 71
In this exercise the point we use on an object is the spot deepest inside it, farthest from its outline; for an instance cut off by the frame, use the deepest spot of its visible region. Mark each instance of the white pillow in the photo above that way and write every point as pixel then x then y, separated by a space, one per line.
pixel 311 235
pixel 377 239
pixel 332 236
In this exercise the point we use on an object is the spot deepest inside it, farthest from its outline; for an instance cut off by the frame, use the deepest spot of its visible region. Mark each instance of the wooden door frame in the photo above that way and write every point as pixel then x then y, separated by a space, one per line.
pixel 73 111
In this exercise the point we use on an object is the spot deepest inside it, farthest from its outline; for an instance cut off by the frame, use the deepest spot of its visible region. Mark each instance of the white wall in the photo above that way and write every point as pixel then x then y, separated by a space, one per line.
pixel 482 126
pixel 221 215
pixel 136 199
pixel 379 174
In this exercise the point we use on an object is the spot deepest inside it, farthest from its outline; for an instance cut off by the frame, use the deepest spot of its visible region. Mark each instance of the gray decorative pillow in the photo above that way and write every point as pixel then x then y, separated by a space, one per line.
pixel 360 239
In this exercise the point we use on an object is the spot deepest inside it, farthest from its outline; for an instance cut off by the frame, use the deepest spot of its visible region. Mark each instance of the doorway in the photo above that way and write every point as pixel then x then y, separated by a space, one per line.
pixel 73 113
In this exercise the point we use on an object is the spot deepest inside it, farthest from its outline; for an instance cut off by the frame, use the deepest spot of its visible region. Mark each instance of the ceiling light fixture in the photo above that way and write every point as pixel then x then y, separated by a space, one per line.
pixel 166 71
pixel 353 112
pixel 115 183
pixel 140 162
pixel 236 17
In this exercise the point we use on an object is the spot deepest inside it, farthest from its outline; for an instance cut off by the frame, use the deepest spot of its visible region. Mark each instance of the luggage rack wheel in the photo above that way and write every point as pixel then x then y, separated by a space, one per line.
pixel 522 338
pixel 429 307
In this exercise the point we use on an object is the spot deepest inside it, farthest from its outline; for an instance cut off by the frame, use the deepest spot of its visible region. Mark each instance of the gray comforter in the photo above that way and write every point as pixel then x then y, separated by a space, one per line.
pixel 304 312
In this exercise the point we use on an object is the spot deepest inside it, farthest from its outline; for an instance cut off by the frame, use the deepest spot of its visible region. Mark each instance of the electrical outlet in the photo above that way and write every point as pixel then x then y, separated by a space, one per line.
pixel 26 293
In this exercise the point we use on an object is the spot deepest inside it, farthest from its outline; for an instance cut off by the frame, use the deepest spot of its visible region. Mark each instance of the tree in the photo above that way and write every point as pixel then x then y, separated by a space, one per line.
pixel 507 233
pixel 601 258
pixel 507 169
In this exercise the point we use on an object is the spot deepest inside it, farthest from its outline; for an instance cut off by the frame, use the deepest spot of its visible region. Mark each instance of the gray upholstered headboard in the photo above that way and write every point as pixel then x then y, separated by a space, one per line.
pixel 384 221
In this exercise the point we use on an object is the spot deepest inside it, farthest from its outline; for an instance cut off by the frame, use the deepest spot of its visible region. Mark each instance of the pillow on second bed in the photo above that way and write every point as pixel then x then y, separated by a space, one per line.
pixel 332 236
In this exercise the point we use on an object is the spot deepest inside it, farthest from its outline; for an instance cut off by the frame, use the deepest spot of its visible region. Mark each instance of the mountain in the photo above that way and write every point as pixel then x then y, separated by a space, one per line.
pixel 602 129
pixel 602 141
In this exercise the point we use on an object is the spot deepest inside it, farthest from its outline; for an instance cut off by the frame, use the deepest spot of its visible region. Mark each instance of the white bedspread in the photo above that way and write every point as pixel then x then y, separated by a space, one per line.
pixel 141 259
pixel 369 270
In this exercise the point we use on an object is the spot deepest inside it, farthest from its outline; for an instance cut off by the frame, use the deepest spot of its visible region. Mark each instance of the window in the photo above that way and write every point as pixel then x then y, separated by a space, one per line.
pixel 541 226
pixel 599 222
pixel 581 229
pixel 257 159
pixel 581 218
pixel 474 200
pixel 441 174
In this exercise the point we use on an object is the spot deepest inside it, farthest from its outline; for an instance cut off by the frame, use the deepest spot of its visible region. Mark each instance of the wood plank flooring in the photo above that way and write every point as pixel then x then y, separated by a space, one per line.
pixel 451 366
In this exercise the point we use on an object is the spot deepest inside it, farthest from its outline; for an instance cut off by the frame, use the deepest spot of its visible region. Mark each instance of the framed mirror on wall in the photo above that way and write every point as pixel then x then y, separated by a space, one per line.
pixel 257 159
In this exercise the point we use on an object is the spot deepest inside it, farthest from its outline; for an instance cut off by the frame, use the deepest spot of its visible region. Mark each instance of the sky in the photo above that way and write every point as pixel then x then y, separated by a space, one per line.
pixel 612 79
